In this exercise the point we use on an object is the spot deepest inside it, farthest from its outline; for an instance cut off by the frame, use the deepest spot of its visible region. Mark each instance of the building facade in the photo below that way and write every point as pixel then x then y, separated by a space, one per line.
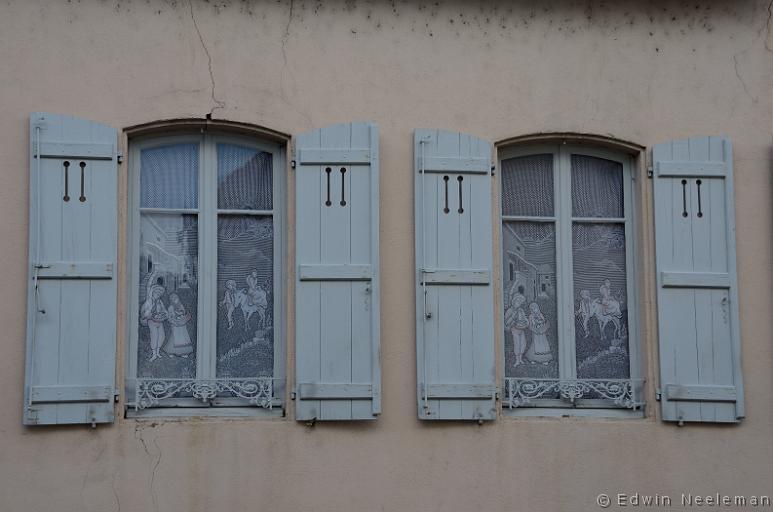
pixel 385 255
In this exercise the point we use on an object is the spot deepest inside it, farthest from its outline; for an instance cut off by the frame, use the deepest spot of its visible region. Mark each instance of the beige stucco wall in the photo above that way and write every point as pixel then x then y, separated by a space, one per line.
pixel 645 72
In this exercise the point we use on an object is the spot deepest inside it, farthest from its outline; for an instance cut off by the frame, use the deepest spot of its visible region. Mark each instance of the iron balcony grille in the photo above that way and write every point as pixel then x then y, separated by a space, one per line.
pixel 622 393
pixel 257 391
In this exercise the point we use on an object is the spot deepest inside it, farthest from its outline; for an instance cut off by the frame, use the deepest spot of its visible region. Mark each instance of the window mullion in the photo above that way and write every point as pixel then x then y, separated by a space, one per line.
pixel 567 366
pixel 560 263
pixel 210 245
pixel 200 336
pixel 202 354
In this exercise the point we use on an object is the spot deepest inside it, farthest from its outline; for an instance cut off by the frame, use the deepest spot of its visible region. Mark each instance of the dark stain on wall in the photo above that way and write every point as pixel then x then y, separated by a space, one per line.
pixel 660 21
pixel 567 16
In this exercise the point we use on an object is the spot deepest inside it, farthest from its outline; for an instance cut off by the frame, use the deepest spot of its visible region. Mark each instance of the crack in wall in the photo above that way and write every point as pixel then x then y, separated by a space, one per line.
pixel 283 41
pixel 153 474
pixel 138 434
pixel 88 473
pixel 285 71
pixel 740 79
pixel 115 492
pixel 287 32
pixel 218 104
pixel 765 28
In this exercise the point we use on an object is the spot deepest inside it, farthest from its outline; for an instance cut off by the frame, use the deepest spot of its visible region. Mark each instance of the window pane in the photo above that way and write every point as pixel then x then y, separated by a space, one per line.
pixel 601 309
pixel 527 186
pixel 531 328
pixel 168 296
pixel 169 176
pixel 597 187
pixel 244 178
pixel 245 287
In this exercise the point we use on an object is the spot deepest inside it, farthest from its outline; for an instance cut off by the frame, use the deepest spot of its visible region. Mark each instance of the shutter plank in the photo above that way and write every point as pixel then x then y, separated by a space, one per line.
pixel 482 299
pixel 695 279
pixel 76 270
pixel 76 151
pixel 691 169
pixel 344 272
pixel 465 276
pixel 308 222
pixel 308 391
pixel 457 165
pixel 467 153
pixel 334 156
pixel 701 231
pixel 430 330
pixel 359 200
pixel 103 196
pixel 686 347
pixel 467 345
pixel 57 394
pixel 720 215
pixel 449 317
pixel 44 366
pixel 456 391
pixel 664 212
pixel 701 393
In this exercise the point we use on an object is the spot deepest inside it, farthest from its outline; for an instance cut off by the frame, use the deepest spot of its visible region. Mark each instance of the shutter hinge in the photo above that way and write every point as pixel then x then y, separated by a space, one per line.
pixel 116 395
pixel 292 395
pixel 119 158
pixel 649 171
pixel 40 122
pixel 292 164
pixel 32 415
pixel 658 395
pixel 493 168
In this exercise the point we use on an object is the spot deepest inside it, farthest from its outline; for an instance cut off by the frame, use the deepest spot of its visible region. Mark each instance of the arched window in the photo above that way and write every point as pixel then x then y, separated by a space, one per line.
pixel 567 229
pixel 205 214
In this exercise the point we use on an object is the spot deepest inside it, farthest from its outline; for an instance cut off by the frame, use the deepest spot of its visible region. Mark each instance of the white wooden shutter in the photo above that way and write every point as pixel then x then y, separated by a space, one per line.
pixel 454 298
pixel 700 354
pixel 71 304
pixel 337 274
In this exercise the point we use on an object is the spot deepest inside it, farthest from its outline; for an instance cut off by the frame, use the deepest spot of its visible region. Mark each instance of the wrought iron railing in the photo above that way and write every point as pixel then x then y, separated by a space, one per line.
pixel 623 393
pixel 257 391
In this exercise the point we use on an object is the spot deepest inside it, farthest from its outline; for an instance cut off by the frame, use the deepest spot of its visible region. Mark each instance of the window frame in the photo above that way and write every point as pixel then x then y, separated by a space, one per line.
pixel 207 212
pixel 563 220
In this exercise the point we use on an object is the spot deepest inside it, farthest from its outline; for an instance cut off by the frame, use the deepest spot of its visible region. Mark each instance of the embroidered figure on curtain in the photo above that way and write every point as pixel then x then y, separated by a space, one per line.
pixel 179 343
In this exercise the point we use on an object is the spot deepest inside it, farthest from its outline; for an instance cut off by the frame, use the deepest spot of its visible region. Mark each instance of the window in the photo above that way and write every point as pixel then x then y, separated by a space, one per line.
pixel 206 273
pixel 567 255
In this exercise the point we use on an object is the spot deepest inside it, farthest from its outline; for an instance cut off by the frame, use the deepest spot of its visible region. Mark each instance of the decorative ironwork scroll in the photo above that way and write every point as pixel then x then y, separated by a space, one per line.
pixel 620 392
pixel 258 391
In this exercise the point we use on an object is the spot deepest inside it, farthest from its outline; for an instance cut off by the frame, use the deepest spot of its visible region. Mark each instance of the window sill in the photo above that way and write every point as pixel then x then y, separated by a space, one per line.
pixel 572 412
pixel 205 412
